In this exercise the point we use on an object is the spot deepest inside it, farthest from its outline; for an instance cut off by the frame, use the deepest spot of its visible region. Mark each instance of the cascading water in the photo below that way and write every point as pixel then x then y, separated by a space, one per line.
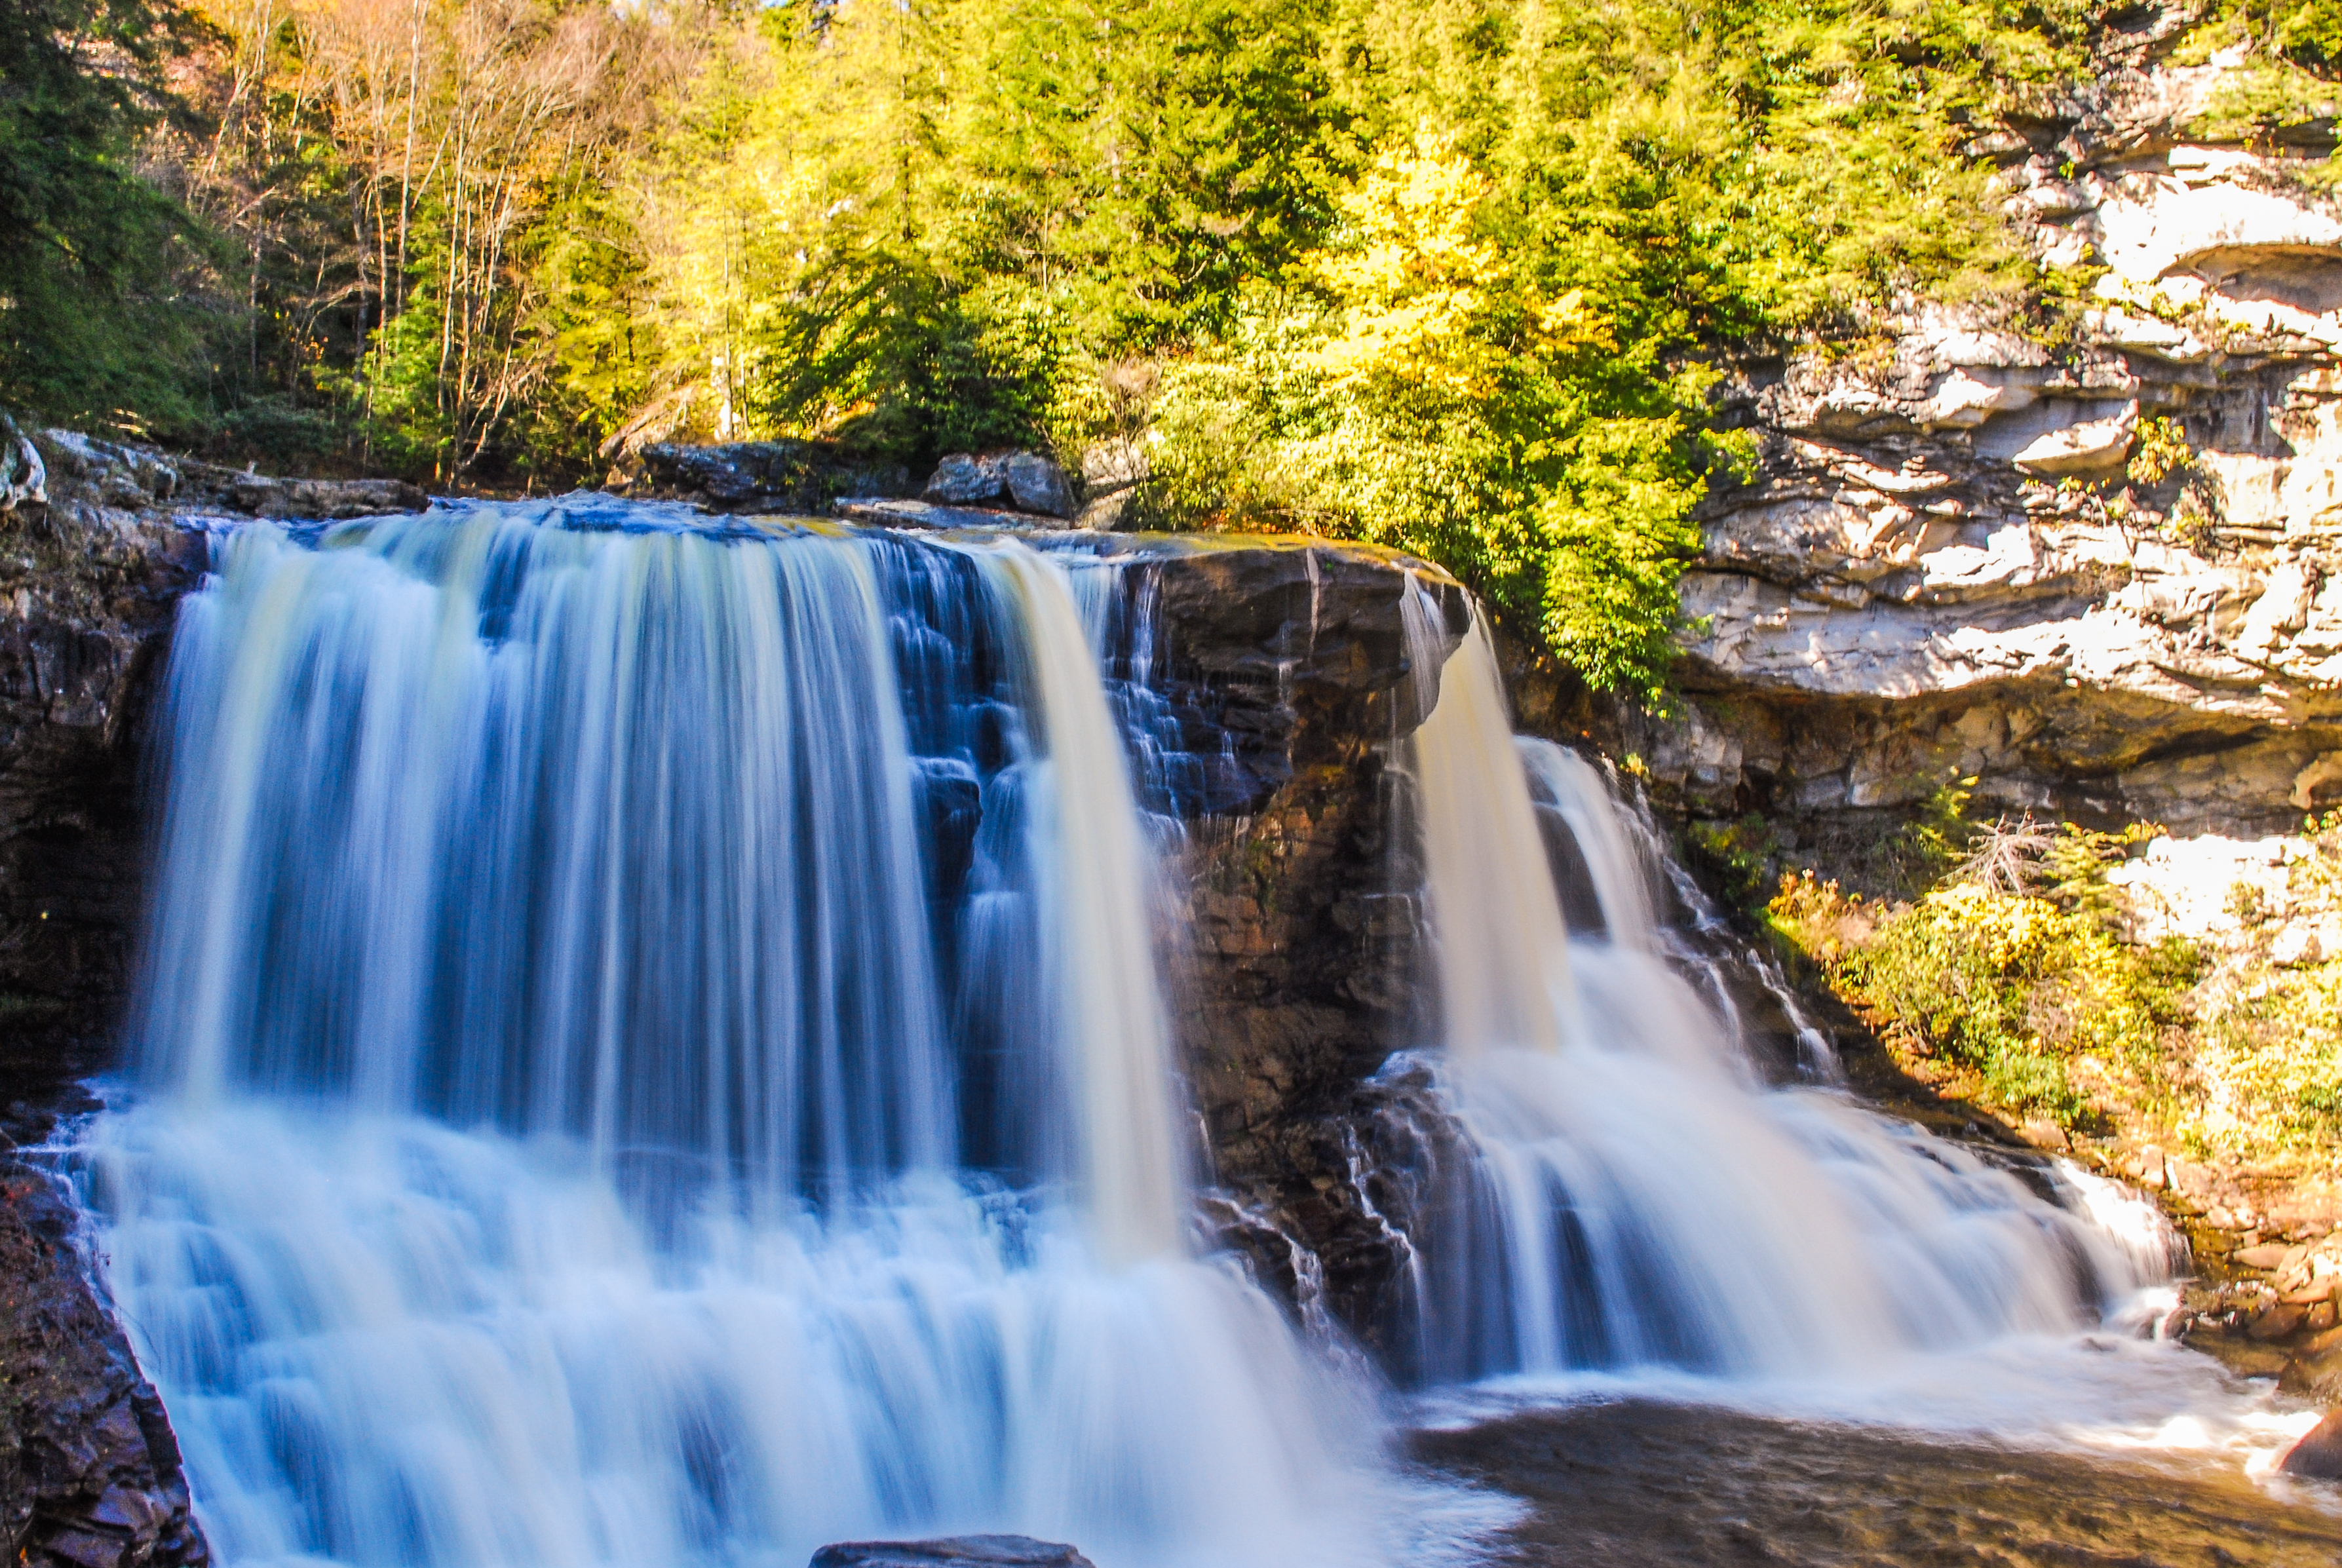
pixel 1627 1193
pixel 651 1052
pixel 651 1055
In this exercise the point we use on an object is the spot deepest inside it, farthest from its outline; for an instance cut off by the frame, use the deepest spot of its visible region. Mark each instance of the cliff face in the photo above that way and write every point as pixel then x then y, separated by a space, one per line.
pixel 2099 570
pixel 1291 660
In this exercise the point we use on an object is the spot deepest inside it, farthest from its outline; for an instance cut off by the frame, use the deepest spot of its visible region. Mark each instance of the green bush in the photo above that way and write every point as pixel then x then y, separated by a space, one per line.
pixel 2011 983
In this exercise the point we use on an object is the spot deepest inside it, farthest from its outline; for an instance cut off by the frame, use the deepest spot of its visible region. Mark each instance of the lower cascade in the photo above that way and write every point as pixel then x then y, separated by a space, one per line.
pixel 651 1050
pixel 1625 1192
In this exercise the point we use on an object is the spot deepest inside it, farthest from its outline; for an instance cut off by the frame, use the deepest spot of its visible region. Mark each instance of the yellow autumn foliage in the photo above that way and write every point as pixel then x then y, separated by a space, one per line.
pixel 1418 287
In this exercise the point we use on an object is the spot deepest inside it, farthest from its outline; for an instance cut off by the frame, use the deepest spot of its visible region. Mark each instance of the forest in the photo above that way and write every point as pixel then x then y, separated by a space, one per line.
pixel 1461 275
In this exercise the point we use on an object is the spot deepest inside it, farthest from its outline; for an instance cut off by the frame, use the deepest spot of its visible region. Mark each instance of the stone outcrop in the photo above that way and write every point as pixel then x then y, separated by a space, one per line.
pixel 1285 673
pixel 89 1472
pixel 2093 560
pixel 801 478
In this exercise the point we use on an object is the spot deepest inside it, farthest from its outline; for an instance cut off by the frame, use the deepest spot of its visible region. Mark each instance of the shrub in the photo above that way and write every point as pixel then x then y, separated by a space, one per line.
pixel 2009 984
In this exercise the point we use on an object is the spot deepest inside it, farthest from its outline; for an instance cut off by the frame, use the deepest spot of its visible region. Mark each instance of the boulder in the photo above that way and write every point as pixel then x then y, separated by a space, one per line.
pixel 978 1551
pixel 1025 481
pixel 2088 447
pixel 964 479
pixel 1037 484
pixel 2318 1453
pixel 1117 464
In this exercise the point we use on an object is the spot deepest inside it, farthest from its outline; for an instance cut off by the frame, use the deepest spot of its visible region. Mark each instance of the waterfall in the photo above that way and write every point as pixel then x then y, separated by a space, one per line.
pixel 1621 1189
pixel 650 1053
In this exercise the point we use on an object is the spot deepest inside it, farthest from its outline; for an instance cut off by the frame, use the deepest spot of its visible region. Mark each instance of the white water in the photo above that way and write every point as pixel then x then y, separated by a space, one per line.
pixel 1632 1211
pixel 651 1053
pixel 621 1085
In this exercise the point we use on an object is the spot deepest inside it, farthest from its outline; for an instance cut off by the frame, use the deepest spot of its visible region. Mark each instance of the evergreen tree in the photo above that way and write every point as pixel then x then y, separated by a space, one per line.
pixel 95 327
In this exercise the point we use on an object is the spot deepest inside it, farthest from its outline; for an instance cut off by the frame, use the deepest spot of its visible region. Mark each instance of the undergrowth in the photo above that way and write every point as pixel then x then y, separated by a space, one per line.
pixel 2013 977
pixel 2271 1034
pixel 2010 973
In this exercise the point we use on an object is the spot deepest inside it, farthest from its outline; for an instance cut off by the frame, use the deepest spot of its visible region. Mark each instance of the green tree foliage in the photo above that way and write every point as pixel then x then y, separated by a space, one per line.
pixel 94 323
pixel 1461 275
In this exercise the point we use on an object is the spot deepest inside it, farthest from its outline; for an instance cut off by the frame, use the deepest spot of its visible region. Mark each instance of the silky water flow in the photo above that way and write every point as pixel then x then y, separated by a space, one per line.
pixel 651 1053
pixel 1631 1209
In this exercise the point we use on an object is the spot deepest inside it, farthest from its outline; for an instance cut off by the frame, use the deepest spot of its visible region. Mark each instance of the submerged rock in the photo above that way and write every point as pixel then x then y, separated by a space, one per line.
pixel 982 1550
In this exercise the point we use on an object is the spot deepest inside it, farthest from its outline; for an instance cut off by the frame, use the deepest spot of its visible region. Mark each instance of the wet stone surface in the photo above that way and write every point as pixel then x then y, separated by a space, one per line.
pixel 1646 1486
pixel 89 1472
pixel 973 1551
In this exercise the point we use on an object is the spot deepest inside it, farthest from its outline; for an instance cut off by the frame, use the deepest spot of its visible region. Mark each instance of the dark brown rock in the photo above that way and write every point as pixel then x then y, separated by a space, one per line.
pixel 88 587
pixel 981 1551
pixel 1286 665
pixel 89 1471
pixel 2318 1453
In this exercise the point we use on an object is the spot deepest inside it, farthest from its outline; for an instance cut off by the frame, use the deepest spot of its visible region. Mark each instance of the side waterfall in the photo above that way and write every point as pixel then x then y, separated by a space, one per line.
pixel 651 1055
pixel 1627 1192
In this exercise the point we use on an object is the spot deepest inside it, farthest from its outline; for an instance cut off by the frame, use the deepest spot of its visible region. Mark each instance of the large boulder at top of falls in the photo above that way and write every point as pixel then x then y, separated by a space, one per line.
pixel 800 477
pixel 975 1550
pixel 1023 481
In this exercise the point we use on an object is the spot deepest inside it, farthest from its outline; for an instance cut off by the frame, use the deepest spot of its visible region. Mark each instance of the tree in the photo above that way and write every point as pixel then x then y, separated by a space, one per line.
pixel 95 326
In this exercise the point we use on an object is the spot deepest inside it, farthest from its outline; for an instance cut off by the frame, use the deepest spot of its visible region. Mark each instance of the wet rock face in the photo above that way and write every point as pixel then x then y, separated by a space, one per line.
pixel 89 1472
pixel 1283 671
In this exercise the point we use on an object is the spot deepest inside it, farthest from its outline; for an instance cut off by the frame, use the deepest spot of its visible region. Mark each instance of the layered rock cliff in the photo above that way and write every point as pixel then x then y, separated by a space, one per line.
pixel 2090 556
